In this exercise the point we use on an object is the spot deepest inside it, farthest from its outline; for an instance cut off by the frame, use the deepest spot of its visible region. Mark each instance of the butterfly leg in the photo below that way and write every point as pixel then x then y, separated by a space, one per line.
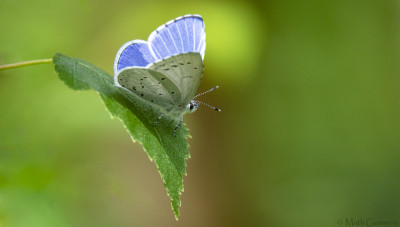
pixel 158 119
pixel 178 126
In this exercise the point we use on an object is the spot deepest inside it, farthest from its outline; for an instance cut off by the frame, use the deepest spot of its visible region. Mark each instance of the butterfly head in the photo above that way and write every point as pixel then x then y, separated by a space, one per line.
pixel 192 106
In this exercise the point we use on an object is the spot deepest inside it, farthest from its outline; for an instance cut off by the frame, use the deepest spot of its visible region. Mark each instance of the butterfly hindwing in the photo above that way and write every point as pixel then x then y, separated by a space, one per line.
pixel 185 71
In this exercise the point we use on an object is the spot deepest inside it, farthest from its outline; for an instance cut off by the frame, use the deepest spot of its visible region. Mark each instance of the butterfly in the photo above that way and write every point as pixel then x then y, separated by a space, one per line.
pixel 166 70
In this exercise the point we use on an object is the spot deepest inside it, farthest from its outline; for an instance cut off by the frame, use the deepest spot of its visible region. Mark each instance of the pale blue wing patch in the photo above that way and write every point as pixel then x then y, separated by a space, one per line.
pixel 163 43
pixel 182 35
pixel 133 53
pixel 198 31
pixel 202 44
pixel 176 36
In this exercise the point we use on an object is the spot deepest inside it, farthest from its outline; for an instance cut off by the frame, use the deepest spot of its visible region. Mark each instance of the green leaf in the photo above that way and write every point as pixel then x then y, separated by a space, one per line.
pixel 168 152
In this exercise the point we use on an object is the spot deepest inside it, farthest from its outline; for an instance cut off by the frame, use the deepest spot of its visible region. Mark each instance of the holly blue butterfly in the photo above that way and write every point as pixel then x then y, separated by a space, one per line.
pixel 166 70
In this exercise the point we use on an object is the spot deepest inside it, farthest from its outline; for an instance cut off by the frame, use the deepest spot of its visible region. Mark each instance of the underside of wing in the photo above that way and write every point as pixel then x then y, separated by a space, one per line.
pixel 184 71
pixel 152 86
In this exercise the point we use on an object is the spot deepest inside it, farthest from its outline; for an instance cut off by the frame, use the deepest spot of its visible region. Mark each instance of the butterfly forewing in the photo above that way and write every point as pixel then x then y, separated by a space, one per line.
pixel 183 35
pixel 185 71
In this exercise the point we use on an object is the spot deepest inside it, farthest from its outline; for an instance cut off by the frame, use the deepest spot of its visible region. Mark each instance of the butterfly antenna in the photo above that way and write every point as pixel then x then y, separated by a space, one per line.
pixel 217 109
pixel 212 89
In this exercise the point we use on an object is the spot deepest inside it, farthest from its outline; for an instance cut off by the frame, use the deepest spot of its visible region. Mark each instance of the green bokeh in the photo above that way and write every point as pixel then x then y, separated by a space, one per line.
pixel 308 134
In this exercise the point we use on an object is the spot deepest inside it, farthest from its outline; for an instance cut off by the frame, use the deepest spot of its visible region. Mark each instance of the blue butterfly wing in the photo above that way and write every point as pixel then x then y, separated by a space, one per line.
pixel 133 53
pixel 182 35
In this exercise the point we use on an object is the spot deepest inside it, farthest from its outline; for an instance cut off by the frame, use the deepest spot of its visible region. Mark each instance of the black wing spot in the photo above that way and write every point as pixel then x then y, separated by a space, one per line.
pixel 163 78
pixel 141 79
pixel 159 83
pixel 159 94
pixel 120 79
pixel 142 86
pixel 181 63
pixel 172 92
pixel 152 100
pixel 195 68
pixel 134 88
pixel 188 62
pixel 141 83
pixel 144 77
pixel 166 69
pixel 174 65
pixel 141 95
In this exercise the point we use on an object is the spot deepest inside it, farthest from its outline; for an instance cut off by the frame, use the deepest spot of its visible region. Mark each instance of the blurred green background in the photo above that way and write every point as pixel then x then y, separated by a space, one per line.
pixel 308 134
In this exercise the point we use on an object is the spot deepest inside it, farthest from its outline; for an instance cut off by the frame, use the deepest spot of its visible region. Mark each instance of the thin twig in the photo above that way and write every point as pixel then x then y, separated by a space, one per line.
pixel 25 63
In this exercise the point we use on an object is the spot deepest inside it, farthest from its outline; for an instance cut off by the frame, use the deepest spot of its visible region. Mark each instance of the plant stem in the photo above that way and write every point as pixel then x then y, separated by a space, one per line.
pixel 25 63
